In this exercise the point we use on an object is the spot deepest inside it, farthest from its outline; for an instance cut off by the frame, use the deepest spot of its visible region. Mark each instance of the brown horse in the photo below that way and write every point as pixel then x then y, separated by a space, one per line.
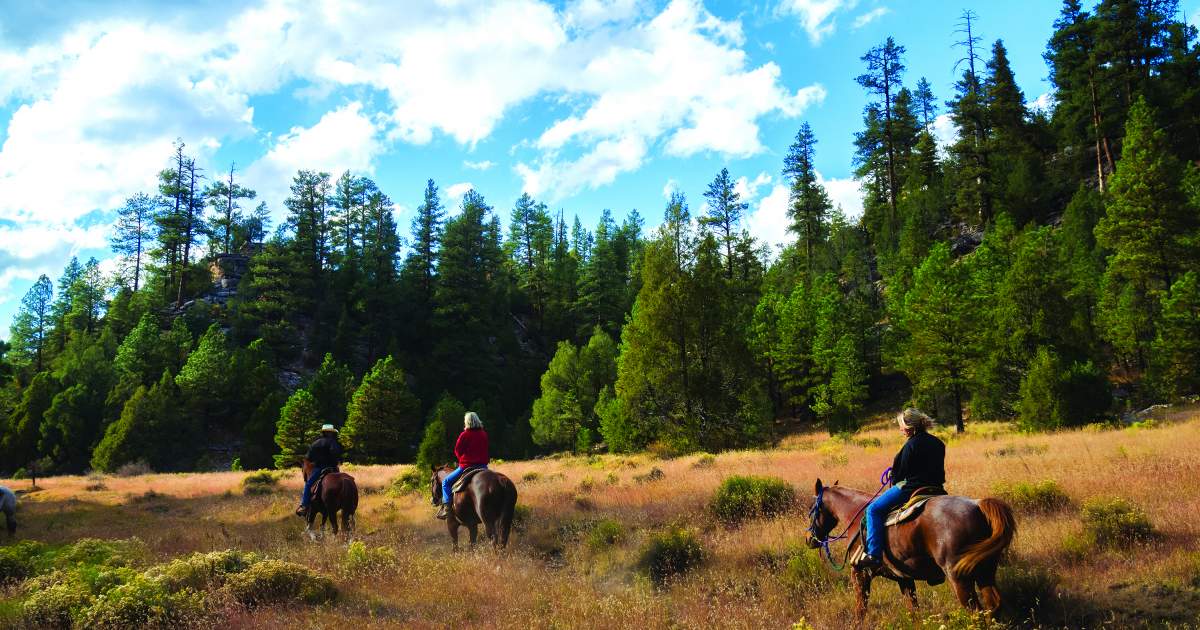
pixel 338 493
pixel 489 498
pixel 953 538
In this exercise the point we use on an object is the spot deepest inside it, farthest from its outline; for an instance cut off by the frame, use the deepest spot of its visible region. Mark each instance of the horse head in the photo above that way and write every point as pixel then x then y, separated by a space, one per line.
pixel 822 520
pixel 435 484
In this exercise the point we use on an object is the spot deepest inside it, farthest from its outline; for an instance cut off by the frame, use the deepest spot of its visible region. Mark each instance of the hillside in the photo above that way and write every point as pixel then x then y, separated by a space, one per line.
pixel 584 522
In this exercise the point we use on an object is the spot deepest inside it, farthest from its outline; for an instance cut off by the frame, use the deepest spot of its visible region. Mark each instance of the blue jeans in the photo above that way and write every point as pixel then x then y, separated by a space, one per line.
pixel 306 498
pixel 875 520
pixel 448 482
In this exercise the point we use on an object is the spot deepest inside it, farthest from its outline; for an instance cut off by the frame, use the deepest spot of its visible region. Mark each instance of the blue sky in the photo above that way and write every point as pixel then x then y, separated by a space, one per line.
pixel 586 104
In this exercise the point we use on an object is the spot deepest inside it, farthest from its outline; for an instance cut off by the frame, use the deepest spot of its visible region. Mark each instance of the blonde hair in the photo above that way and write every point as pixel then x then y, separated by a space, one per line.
pixel 913 418
pixel 471 421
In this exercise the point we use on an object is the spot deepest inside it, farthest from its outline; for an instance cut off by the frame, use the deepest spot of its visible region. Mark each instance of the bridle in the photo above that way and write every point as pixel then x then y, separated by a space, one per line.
pixel 823 541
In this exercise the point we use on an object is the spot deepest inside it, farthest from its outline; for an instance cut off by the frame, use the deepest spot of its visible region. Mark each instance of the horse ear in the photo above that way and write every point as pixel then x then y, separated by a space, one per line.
pixel 435 467
pixel 835 482
pixel 817 488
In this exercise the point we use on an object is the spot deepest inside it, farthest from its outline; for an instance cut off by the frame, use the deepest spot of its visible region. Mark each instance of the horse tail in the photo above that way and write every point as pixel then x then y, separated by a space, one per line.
pixel 508 510
pixel 350 502
pixel 1000 518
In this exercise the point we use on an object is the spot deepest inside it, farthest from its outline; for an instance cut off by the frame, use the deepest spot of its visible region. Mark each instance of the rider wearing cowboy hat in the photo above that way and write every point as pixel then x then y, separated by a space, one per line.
pixel 325 453
pixel 921 463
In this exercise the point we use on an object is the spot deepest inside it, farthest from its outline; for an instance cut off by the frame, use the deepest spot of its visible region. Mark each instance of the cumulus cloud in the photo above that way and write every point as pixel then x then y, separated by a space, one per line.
pixel 455 192
pixel 845 193
pixel 870 16
pixel 769 221
pixel 748 189
pixel 670 188
pixel 681 79
pixel 343 139
pixel 944 132
pixel 482 165
pixel 1043 104
pixel 817 17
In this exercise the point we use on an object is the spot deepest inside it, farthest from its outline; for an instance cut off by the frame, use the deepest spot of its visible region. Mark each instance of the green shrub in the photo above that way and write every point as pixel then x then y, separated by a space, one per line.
pixel 142 603
pixel 805 570
pixel 1077 547
pixel 93 551
pixel 671 553
pixel 412 480
pixel 743 497
pixel 531 476
pixel 1026 588
pixel 56 606
pixel 362 559
pixel 606 533
pixel 272 581
pixel 1111 522
pixel 1039 496
pixel 706 460
pixel 522 516
pixel 655 474
pixel 20 561
pixel 201 571
pixel 260 482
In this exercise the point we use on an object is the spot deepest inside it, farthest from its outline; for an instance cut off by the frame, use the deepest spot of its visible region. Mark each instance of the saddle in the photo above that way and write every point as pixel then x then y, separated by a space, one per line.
pixel 461 484
pixel 912 508
pixel 316 488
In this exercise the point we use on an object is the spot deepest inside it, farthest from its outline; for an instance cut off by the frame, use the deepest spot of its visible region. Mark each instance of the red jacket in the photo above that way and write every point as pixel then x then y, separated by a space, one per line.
pixel 471 449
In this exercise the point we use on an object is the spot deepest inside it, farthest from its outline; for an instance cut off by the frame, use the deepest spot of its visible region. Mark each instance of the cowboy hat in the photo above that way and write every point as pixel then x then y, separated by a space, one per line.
pixel 329 428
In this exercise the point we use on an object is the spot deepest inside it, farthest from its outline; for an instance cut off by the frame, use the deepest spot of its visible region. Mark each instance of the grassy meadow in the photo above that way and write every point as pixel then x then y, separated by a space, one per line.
pixel 576 560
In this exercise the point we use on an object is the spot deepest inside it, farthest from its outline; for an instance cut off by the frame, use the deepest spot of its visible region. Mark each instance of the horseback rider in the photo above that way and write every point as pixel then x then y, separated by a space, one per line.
pixel 325 453
pixel 8 505
pixel 471 449
pixel 920 464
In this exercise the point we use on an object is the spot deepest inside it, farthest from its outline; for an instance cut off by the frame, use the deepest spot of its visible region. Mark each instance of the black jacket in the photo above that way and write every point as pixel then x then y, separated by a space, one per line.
pixel 325 452
pixel 922 462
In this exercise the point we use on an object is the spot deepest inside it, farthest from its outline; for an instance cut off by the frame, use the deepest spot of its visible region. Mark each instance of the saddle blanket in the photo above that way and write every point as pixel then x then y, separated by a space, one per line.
pixel 909 510
pixel 461 484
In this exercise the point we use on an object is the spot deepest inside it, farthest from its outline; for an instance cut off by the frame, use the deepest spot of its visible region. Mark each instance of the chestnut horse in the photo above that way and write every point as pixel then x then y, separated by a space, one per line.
pixel 489 498
pixel 338 493
pixel 954 538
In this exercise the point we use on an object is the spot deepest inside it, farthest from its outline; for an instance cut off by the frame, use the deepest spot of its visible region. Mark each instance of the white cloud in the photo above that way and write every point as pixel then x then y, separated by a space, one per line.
pixel 817 17
pixel 455 192
pixel 748 190
pixel 670 188
pixel 680 79
pixel 944 131
pixel 343 139
pixel 482 165
pixel 846 193
pixel 870 16
pixel 769 222
pixel 1043 104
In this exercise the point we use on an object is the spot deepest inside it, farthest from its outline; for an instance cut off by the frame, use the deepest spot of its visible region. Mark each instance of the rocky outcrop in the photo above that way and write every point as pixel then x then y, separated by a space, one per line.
pixel 227 271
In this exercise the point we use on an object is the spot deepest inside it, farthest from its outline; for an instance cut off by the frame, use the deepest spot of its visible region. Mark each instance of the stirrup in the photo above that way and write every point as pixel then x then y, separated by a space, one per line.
pixel 443 512
pixel 868 562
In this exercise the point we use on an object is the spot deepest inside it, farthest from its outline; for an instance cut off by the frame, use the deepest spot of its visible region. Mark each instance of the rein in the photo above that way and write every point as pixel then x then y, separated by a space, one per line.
pixel 827 540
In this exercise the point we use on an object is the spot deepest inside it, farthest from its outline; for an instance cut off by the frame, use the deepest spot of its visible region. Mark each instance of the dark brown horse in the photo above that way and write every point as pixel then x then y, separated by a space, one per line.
pixel 954 538
pixel 338 493
pixel 489 498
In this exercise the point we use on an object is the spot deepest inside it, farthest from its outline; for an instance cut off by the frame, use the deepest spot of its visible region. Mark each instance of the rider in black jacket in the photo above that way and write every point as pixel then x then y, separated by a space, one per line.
pixel 325 453
pixel 921 463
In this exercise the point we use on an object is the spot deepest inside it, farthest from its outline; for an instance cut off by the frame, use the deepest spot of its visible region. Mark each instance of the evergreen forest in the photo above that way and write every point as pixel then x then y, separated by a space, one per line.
pixel 1043 267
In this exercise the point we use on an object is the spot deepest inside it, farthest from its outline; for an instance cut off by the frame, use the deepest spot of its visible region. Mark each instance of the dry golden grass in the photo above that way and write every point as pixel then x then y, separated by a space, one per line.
pixel 552 578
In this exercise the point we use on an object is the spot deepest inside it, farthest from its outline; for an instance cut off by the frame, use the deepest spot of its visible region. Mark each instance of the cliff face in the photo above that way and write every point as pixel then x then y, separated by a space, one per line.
pixel 227 271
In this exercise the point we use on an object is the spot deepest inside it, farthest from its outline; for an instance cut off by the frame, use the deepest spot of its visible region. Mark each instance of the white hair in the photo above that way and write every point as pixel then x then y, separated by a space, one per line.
pixel 471 421
pixel 913 418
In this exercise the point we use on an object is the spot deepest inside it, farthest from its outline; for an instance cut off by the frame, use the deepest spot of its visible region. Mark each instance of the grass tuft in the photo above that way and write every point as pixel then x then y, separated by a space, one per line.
pixel 739 498
pixel 670 554
pixel 1114 521
pixel 1040 497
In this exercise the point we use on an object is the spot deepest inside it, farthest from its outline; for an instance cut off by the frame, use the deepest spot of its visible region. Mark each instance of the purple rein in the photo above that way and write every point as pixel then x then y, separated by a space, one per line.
pixel 815 510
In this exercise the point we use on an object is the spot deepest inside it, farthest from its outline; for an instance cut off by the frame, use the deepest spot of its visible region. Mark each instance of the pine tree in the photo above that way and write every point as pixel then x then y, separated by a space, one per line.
pixel 1175 356
pixel 223 197
pixel 435 448
pixel 205 380
pixel 32 325
pixel 151 429
pixel 332 386
pixel 809 205
pixel 25 421
pixel 925 103
pixel 725 209
pixel 133 233
pixel 940 318
pixel 885 66
pixel 298 425
pixel 383 419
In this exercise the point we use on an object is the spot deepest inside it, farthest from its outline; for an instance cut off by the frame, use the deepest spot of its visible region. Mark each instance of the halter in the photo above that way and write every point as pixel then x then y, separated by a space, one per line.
pixel 815 511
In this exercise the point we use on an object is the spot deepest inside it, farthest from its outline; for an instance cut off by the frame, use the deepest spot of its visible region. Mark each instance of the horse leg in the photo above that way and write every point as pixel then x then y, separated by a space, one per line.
pixel 474 530
pixel 347 519
pixel 452 526
pixel 909 589
pixel 862 592
pixel 311 518
pixel 986 580
pixel 333 521
pixel 964 589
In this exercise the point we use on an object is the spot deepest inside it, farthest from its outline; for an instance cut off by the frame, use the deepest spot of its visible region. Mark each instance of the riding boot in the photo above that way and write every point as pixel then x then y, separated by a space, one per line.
pixel 302 511
pixel 869 562
pixel 443 512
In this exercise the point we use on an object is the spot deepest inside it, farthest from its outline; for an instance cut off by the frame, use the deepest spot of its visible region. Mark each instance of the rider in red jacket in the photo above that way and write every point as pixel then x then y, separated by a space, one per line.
pixel 471 449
